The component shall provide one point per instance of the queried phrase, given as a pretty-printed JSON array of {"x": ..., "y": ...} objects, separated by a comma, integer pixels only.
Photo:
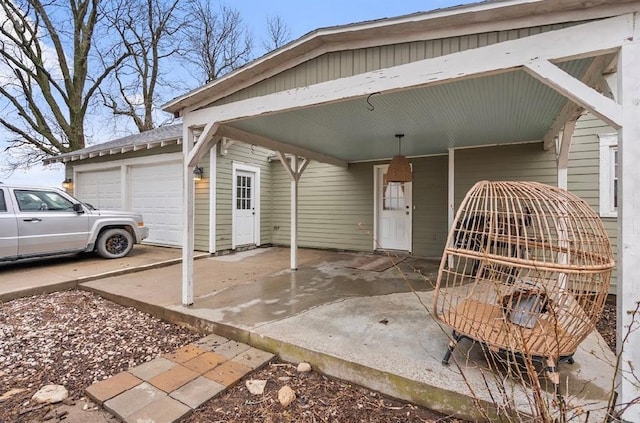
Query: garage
[
  {"x": 153, "y": 187},
  {"x": 100, "y": 188},
  {"x": 156, "y": 192}
]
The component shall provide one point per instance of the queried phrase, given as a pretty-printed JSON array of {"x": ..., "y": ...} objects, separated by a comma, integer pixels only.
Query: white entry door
[
  {"x": 244, "y": 208},
  {"x": 394, "y": 211}
]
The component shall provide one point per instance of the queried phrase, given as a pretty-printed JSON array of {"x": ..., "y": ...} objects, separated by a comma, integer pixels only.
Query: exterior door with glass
[
  {"x": 394, "y": 211},
  {"x": 244, "y": 208}
]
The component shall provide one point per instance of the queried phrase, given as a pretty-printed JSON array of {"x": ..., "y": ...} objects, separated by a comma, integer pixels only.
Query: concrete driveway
[{"x": 37, "y": 276}]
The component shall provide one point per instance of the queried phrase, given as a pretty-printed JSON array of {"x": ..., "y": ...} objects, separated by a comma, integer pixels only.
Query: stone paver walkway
[{"x": 170, "y": 387}]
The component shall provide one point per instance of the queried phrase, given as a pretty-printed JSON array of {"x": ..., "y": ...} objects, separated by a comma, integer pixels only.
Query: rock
[
  {"x": 51, "y": 394},
  {"x": 284, "y": 378},
  {"x": 304, "y": 368},
  {"x": 286, "y": 395},
  {"x": 256, "y": 387}
]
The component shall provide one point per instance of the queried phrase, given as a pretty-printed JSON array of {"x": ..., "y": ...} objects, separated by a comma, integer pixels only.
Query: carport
[{"x": 516, "y": 91}]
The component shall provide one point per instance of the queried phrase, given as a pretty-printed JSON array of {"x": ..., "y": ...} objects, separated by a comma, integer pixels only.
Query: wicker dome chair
[{"x": 526, "y": 270}]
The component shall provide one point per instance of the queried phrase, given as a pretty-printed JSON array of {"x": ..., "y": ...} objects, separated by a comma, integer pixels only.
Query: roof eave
[{"x": 316, "y": 42}]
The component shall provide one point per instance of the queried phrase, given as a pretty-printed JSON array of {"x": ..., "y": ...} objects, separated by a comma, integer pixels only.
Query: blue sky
[{"x": 301, "y": 17}]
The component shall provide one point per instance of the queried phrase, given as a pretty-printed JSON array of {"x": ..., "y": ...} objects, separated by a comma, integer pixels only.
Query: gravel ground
[{"x": 75, "y": 338}]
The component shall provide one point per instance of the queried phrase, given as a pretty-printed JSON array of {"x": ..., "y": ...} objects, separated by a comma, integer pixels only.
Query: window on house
[{"x": 609, "y": 175}]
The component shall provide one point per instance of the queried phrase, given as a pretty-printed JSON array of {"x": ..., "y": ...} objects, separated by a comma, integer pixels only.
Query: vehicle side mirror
[{"x": 77, "y": 207}]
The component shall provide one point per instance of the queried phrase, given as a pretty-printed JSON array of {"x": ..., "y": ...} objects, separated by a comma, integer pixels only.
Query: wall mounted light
[
  {"x": 67, "y": 184},
  {"x": 197, "y": 173}
]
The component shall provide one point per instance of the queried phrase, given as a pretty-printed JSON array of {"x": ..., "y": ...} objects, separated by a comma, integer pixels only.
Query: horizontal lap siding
[
  {"x": 521, "y": 162},
  {"x": 202, "y": 206},
  {"x": 430, "y": 206},
  {"x": 352, "y": 62},
  {"x": 335, "y": 206},
  {"x": 584, "y": 172},
  {"x": 250, "y": 155}
]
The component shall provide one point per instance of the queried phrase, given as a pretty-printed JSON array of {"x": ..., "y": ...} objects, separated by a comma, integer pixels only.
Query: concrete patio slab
[{"x": 368, "y": 327}]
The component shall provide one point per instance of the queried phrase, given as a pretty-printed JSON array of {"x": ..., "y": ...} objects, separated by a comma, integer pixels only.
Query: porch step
[{"x": 168, "y": 388}]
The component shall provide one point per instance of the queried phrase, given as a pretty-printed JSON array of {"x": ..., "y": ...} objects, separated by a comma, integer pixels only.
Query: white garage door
[
  {"x": 156, "y": 192},
  {"x": 100, "y": 188}
]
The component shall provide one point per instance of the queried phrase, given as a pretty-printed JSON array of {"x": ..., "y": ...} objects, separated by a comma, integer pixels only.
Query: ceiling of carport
[{"x": 498, "y": 109}]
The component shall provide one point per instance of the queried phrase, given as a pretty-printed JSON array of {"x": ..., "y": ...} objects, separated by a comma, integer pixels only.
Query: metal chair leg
[{"x": 452, "y": 346}]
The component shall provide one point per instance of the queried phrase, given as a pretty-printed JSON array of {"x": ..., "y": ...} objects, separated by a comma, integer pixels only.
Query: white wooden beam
[
  {"x": 188, "y": 225},
  {"x": 628, "y": 287},
  {"x": 572, "y": 111},
  {"x": 575, "y": 90},
  {"x": 248, "y": 137},
  {"x": 564, "y": 143},
  {"x": 586, "y": 40},
  {"x": 208, "y": 136},
  {"x": 225, "y": 144}
]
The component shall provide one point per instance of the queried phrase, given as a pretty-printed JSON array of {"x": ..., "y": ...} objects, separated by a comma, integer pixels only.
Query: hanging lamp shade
[{"x": 399, "y": 169}]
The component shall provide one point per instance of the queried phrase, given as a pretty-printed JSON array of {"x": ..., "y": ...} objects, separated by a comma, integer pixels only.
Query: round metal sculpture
[{"x": 526, "y": 269}]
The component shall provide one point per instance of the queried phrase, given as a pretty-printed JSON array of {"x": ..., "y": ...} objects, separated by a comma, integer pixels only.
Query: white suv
[{"x": 37, "y": 222}]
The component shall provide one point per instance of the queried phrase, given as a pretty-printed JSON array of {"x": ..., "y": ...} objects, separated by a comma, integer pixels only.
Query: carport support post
[
  {"x": 294, "y": 173},
  {"x": 294, "y": 215},
  {"x": 188, "y": 240},
  {"x": 451, "y": 194},
  {"x": 562, "y": 153},
  {"x": 628, "y": 288}
]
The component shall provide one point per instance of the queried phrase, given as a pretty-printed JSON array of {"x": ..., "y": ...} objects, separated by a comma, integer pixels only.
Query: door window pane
[
  {"x": 392, "y": 195},
  {"x": 243, "y": 193}
]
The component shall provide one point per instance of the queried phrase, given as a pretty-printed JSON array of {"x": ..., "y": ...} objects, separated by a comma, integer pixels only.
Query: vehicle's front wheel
[{"x": 114, "y": 243}]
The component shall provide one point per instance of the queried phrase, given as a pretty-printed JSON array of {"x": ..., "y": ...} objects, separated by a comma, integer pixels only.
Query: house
[{"x": 541, "y": 90}]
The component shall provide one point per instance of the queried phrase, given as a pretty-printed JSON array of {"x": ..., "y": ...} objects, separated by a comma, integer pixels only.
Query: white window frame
[{"x": 608, "y": 146}]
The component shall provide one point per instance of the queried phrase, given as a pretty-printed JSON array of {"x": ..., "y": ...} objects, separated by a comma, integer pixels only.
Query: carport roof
[
  {"x": 508, "y": 92},
  {"x": 159, "y": 137}
]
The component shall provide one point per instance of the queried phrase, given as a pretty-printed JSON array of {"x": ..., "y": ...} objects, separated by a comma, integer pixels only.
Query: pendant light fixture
[{"x": 399, "y": 169}]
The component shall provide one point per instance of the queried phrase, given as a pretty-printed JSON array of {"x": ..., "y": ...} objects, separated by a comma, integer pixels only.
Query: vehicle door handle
[{"x": 32, "y": 219}]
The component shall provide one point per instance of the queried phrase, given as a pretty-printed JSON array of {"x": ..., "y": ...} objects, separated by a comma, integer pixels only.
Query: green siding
[
  {"x": 201, "y": 207},
  {"x": 250, "y": 155},
  {"x": 584, "y": 172},
  {"x": 430, "y": 206},
  {"x": 518, "y": 162},
  {"x": 345, "y": 63},
  {"x": 335, "y": 206}
]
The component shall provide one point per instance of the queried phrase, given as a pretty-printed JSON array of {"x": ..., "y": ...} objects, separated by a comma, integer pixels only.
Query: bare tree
[
  {"x": 148, "y": 30},
  {"x": 219, "y": 40},
  {"x": 47, "y": 79},
  {"x": 278, "y": 33}
]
